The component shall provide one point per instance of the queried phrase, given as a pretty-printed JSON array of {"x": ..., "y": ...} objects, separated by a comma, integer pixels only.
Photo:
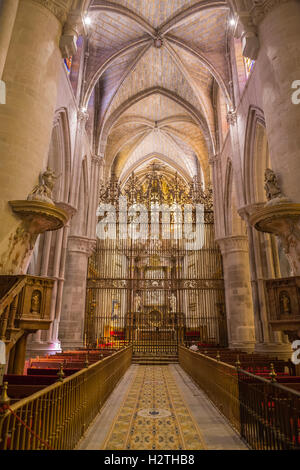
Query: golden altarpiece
[{"x": 153, "y": 292}]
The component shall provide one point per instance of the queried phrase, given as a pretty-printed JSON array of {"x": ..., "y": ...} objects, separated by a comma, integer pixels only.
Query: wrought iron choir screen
[{"x": 154, "y": 292}]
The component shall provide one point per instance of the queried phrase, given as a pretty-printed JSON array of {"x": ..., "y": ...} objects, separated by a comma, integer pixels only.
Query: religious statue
[
  {"x": 43, "y": 190},
  {"x": 272, "y": 187},
  {"x": 36, "y": 301},
  {"x": 173, "y": 302},
  {"x": 285, "y": 303},
  {"x": 137, "y": 302}
]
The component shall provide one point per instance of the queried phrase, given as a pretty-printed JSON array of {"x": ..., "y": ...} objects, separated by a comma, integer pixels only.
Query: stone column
[
  {"x": 71, "y": 326},
  {"x": 82, "y": 118},
  {"x": 239, "y": 305},
  {"x": 97, "y": 162},
  {"x": 31, "y": 74},
  {"x": 8, "y": 12},
  {"x": 215, "y": 164},
  {"x": 278, "y": 66}
]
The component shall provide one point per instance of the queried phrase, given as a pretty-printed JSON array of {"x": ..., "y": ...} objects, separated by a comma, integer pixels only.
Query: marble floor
[{"x": 159, "y": 407}]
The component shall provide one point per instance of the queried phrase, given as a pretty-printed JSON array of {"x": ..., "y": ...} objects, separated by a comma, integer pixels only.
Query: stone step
[{"x": 154, "y": 360}]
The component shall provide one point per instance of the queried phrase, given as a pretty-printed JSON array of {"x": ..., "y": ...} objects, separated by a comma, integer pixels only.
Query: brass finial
[
  {"x": 272, "y": 373},
  {"x": 60, "y": 373},
  {"x": 218, "y": 357},
  {"x": 86, "y": 362},
  {"x": 4, "y": 398},
  {"x": 238, "y": 363}
]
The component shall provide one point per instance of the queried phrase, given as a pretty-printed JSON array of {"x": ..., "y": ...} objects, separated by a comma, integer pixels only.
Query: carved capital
[
  {"x": 97, "y": 160},
  {"x": 233, "y": 244},
  {"x": 262, "y": 7},
  {"x": 232, "y": 117},
  {"x": 214, "y": 160},
  {"x": 59, "y": 8},
  {"x": 82, "y": 116},
  {"x": 81, "y": 245}
]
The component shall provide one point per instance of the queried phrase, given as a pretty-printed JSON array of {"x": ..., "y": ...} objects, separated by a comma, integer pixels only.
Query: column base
[
  {"x": 279, "y": 350},
  {"x": 42, "y": 348},
  {"x": 70, "y": 345}
]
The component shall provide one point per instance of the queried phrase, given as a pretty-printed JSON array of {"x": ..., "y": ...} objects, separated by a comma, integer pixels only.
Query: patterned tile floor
[{"x": 154, "y": 415}]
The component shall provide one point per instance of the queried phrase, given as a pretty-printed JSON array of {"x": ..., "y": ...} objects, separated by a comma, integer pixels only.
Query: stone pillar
[
  {"x": 31, "y": 74},
  {"x": 8, "y": 11},
  {"x": 97, "y": 162},
  {"x": 278, "y": 66},
  {"x": 82, "y": 118},
  {"x": 71, "y": 326},
  {"x": 215, "y": 163},
  {"x": 239, "y": 305}
]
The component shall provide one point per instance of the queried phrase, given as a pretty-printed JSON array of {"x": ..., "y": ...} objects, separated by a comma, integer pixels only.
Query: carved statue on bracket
[
  {"x": 272, "y": 188},
  {"x": 43, "y": 190}
]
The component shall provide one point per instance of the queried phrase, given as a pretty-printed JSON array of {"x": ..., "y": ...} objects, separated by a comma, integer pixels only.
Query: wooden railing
[
  {"x": 218, "y": 380},
  {"x": 57, "y": 416}
]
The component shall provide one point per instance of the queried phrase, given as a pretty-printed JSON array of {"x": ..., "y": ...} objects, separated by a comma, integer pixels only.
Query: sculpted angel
[{"x": 43, "y": 190}]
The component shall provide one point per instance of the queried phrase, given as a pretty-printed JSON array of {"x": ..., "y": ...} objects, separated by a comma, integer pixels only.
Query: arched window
[
  {"x": 249, "y": 64},
  {"x": 68, "y": 64}
]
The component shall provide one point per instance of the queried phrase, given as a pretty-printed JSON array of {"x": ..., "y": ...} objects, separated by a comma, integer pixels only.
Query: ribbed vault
[{"x": 155, "y": 65}]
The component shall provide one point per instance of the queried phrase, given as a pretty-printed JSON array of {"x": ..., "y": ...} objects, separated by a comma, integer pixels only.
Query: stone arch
[
  {"x": 80, "y": 220},
  {"x": 59, "y": 160},
  {"x": 234, "y": 224},
  {"x": 256, "y": 158},
  {"x": 157, "y": 156},
  {"x": 194, "y": 114}
]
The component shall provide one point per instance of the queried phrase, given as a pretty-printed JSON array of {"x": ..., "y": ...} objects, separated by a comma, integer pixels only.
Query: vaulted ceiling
[{"x": 154, "y": 64}]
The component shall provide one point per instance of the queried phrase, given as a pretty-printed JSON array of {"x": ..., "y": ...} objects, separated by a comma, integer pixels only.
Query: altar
[{"x": 156, "y": 334}]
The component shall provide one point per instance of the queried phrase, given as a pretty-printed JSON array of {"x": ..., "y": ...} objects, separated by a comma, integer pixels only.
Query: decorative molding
[
  {"x": 214, "y": 159},
  {"x": 232, "y": 117},
  {"x": 246, "y": 211},
  {"x": 236, "y": 243},
  {"x": 82, "y": 245},
  {"x": 59, "y": 8},
  {"x": 97, "y": 160},
  {"x": 283, "y": 220},
  {"x": 82, "y": 116}
]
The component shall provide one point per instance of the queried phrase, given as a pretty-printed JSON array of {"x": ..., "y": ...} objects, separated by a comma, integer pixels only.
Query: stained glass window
[
  {"x": 68, "y": 64},
  {"x": 249, "y": 63}
]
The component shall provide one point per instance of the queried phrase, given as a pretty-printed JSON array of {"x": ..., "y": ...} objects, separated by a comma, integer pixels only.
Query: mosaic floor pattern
[{"x": 154, "y": 415}]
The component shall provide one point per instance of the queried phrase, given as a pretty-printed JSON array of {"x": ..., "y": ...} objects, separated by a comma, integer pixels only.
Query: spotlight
[
  {"x": 232, "y": 21},
  {"x": 87, "y": 21}
]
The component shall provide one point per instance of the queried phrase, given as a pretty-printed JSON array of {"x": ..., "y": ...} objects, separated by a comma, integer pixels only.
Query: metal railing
[
  {"x": 270, "y": 413},
  {"x": 265, "y": 413},
  {"x": 218, "y": 380},
  {"x": 57, "y": 416}
]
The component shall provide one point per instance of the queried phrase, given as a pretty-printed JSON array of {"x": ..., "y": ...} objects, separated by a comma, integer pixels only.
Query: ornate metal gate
[{"x": 154, "y": 292}]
